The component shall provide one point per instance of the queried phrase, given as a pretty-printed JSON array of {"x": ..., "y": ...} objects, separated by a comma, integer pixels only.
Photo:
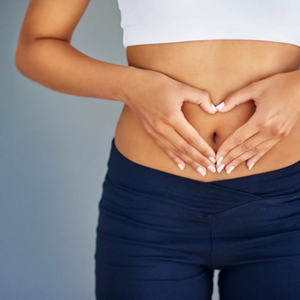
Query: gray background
[{"x": 53, "y": 154}]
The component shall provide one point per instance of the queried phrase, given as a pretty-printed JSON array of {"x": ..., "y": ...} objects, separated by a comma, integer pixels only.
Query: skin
[{"x": 168, "y": 91}]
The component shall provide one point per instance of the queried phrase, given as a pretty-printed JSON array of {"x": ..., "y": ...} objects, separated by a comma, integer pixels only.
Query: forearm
[{"x": 59, "y": 66}]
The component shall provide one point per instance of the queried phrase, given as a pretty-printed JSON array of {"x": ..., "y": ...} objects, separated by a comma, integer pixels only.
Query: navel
[{"x": 214, "y": 137}]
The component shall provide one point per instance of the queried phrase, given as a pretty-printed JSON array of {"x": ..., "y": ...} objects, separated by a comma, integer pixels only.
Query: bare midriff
[{"x": 219, "y": 67}]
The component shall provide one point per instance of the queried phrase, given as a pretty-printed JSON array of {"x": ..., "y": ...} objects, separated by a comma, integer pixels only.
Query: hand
[
  {"x": 277, "y": 100},
  {"x": 156, "y": 100}
]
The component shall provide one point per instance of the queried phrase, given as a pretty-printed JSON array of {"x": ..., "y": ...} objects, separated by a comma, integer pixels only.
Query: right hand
[{"x": 156, "y": 100}]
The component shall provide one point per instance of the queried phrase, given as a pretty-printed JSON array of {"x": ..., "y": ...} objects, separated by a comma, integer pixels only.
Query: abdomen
[{"x": 219, "y": 67}]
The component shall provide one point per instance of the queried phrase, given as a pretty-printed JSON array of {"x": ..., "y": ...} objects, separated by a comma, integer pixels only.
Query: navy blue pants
[{"x": 161, "y": 236}]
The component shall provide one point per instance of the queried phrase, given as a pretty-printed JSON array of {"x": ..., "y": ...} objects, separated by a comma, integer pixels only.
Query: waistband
[{"x": 282, "y": 183}]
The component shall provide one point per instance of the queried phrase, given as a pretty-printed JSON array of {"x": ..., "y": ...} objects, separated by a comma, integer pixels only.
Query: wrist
[
  {"x": 128, "y": 82},
  {"x": 133, "y": 83}
]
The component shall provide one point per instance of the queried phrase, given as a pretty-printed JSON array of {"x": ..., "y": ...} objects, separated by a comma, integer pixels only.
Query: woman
[{"x": 203, "y": 171}]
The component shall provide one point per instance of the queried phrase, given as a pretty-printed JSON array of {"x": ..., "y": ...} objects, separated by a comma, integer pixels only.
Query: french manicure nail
[
  {"x": 180, "y": 166},
  {"x": 219, "y": 161},
  {"x": 214, "y": 108},
  {"x": 212, "y": 159},
  {"x": 211, "y": 168},
  {"x": 220, "y": 106},
  {"x": 230, "y": 169},
  {"x": 201, "y": 170},
  {"x": 251, "y": 166},
  {"x": 220, "y": 168}
]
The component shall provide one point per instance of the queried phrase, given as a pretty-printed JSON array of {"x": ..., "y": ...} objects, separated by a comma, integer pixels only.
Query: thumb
[
  {"x": 202, "y": 98},
  {"x": 237, "y": 97}
]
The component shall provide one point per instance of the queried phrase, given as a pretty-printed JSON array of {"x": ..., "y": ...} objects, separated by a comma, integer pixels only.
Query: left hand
[{"x": 277, "y": 100}]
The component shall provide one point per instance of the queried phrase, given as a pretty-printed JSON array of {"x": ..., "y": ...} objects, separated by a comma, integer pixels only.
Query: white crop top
[{"x": 166, "y": 21}]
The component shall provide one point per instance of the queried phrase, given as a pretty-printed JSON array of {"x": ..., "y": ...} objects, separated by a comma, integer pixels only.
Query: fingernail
[
  {"x": 201, "y": 170},
  {"x": 230, "y": 169},
  {"x": 220, "y": 168},
  {"x": 220, "y": 106},
  {"x": 211, "y": 168},
  {"x": 180, "y": 166},
  {"x": 219, "y": 161},
  {"x": 251, "y": 166},
  {"x": 212, "y": 159},
  {"x": 214, "y": 108}
]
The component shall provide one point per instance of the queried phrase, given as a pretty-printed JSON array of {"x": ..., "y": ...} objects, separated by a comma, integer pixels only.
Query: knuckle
[
  {"x": 237, "y": 140},
  {"x": 156, "y": 127},
  {"x": 176, "y": 151},
  {"x": 246, "y": 147},
  {"x": 186, "y": 149},
  {"x": 168, "y": 117},
  {"x": 255, "y": 150},
  {"x": 279, "y": 131},
  {"x": 192, "y": 141}
]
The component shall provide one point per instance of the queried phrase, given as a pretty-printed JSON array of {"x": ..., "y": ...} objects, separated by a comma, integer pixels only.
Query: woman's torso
[{"x": 219, "y": 67}]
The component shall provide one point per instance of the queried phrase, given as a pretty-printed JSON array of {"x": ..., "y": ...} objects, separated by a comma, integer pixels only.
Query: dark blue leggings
[{"x": 161, "y": 236}]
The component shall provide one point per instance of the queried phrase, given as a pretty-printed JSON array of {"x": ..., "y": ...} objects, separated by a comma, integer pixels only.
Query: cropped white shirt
[{"x": 167, "y": 21}]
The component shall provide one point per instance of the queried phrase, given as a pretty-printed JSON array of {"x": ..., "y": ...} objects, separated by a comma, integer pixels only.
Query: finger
[
  {"x": 166, "y": 146},
  {"x": 174, "y": 142},
  {"x": 248, "y": 146},
  {"x": 202, "y": 98},
  {"x": 249, "y": 92},
  {"x": 243, "y": 133},
  {"x": 183, "y": 149},
  {"x": 187, "y": 153},
  {"x": 179, "y": 162},
  {"x": 254, "y": 159},
  {"x": 192, "y": 137},
  {"x": 254, "y": 154}
]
